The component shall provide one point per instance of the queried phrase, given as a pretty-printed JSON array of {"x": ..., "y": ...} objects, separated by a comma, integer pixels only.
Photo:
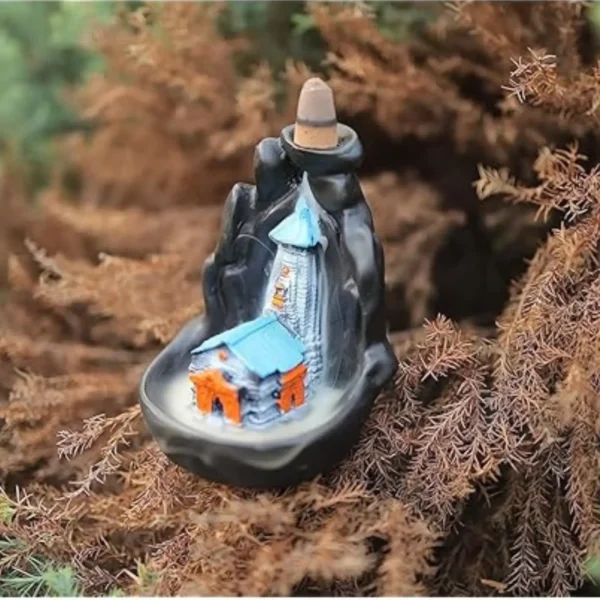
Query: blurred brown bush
[{"x": 477, "y": 472}]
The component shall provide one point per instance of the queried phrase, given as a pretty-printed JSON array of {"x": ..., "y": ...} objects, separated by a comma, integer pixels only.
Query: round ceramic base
[{"x": 282, "y": 455}]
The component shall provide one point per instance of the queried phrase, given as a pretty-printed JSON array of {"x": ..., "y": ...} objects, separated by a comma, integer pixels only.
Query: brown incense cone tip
[{"x": 316, "y": 121}]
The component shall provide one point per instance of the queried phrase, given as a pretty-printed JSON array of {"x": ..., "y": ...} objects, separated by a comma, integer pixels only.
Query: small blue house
[{"x": 250, "y": 374}]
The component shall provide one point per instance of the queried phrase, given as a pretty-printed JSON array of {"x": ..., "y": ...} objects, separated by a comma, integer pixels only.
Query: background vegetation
[{"x": 123, "y": 127}]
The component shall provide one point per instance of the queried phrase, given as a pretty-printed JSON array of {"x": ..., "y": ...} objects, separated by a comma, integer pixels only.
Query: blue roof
[
  {"x": 301, "y": 229},
  {"x": 264, "y": 345}
]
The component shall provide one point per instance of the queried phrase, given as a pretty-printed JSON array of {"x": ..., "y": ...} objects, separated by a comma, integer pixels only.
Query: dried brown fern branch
[
  {"x": 536, "y": 79},
  {"x": 476, "y": 470},
  {"x": 119, "y": 429},
  {"x": 39, "y": 407},
  {"x": 189, "y": 121},
  {"x": 452, "y": 79},
  {"x": 117, "y": 289},
  {"x": 545, "y": 375},
  {"x": 412, "y": 226}
]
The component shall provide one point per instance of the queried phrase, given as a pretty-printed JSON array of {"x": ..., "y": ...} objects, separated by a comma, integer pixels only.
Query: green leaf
[
  {"x": 400, "y": 21},
  {"x": 73, "y": 18},
  {"x": 591, "y": 568},
  {"x": 41, "y": 55},
  {"x": 594, "y": 15},
  {"x": 303, "y": 23},
  {"x": 117, "y": 593},
  {"x": 7, "y": 511},
  {"x": 38, "y": 577},
  {"x": 61, "y": 582},
  {"x": 146, "y": 576}
]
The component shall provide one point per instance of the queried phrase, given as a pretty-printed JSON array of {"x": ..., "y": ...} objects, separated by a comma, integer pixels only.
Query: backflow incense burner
[{"x": 273, "y": 383}]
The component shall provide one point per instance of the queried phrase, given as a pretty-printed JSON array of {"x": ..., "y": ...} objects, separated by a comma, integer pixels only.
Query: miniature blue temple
[
  {"x": 259, "y": 370},
  {"x": 264, "y": 346}
]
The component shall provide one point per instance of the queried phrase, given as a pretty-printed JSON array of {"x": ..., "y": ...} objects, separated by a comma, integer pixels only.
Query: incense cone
[{"x": 316, "y": 121}]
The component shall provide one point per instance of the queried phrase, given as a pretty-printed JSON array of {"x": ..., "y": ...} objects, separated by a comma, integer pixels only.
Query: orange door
[
  {"x": 292, "y": 388},
  {"x": 212, "y": 386}
]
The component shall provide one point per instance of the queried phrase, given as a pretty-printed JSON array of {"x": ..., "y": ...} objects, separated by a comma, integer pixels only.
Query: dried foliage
[
  {"x": 412, "y": 227},
  {"x": 448, "y": 83},
  {"x": 477, "y": 470},
  {"x": 176, "y": 124}
]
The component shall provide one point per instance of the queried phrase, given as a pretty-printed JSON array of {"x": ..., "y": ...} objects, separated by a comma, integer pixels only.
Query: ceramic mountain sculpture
[{"x": 273, "y": 383}]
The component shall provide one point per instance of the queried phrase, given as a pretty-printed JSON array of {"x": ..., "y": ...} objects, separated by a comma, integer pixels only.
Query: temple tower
[{"x": 293, "y": 291}]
